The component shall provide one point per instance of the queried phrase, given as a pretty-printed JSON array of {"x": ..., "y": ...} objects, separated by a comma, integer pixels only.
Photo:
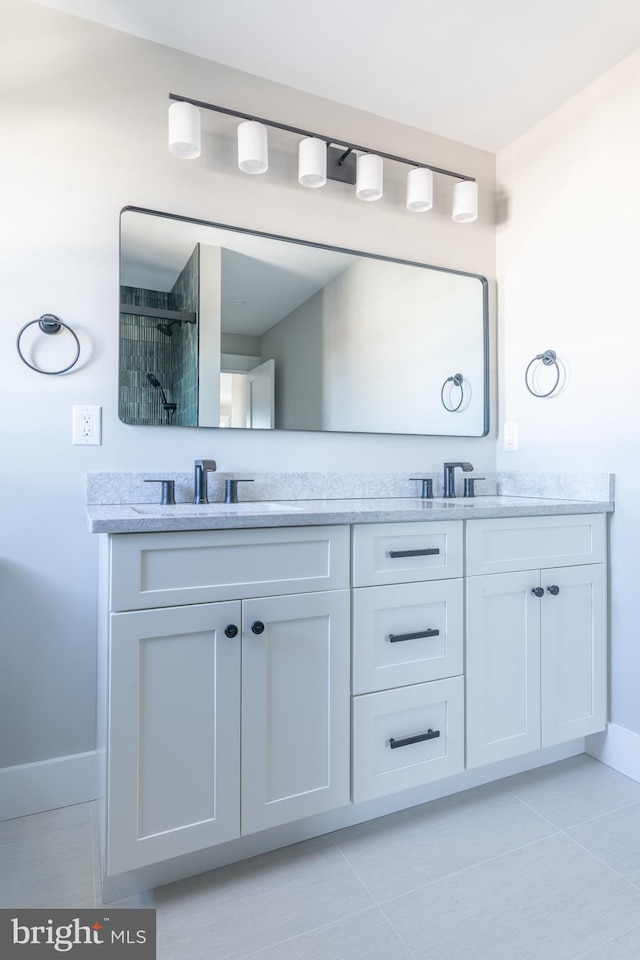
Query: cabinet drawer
[
  {"x": 529, "y": 543},
  {"x": 168, "y": 569},
  {"x": 406, "y": 634},
  {"x": 404, "y": 552},
  {"x": 383, "y": 761}
]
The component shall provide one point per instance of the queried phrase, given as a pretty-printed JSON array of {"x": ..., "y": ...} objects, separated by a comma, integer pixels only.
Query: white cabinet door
[
  {"x": 295, "y": 704},
  {"x": 503, "y": 666},
  {"x": 174, "y": 733},
  {"x": 574, "y": 652},
  {"x": 536, "y": 666}
]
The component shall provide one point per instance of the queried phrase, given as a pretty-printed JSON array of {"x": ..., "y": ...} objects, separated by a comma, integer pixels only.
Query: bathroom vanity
[{"x": 271, "y": 675}]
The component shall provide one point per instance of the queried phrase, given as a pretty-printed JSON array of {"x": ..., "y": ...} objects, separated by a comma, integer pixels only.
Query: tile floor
[{"x": 542, "y": 865}]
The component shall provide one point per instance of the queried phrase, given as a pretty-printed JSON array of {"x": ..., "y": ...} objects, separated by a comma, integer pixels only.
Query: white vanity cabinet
[
  {"x": 536, "y": 633},
  {"x": 407, "y": 637},
  {"x": 256, "y": 677},
  {"x": 228, "y": 696}
]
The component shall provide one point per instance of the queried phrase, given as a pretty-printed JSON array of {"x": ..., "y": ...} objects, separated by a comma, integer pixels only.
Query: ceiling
[{"x": 478, "y": 71}]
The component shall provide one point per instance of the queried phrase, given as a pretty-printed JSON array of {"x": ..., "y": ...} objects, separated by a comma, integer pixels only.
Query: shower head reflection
[
  {"x": 169, "y": 408},
  {"x": 165, "y": 328}
]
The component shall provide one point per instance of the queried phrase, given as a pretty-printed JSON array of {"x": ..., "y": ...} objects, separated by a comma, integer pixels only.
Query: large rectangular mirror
[{"x": 222, "y": 327}]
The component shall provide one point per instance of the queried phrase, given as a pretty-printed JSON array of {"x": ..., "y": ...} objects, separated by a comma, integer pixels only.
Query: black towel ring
[
  {"x": 49, "y": 323},
  {"x": 457, "y": 380},
  {"x": 548, "y": 358}
]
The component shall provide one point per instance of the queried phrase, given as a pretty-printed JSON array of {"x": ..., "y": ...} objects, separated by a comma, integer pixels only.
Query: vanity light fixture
[
  {"x": 465, "y": 201},
  {"x": 320, "y": 158},
  {"x": 184, "y": 130},
  {"x": 419, "y": 189},
  {"x": 253, "y": 151},
  {"x": 312, "y": 162},
  {"x": 369, "y": 177}
]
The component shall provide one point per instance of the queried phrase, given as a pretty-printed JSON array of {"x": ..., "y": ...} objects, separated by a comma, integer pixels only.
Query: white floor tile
[
  {"x": 549, "y": 901},
  {"x": 44, "y": 825},
  {"x": 240, "y": 909},
  {"x": 615, "y": 838},
  {"x": 46, "y": 860},
  {"x": 572, "y": 791},
  {"x": 366, "y": 936},
  {"x": 625, "y": 947},
  {"x": 397, "y": 853}
]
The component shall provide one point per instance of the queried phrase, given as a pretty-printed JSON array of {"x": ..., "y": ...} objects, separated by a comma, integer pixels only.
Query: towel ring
[
  {"x": 549, "y": 358},
  {"x": 49, "y": 324},
  {"x": 457, "y": 380}
]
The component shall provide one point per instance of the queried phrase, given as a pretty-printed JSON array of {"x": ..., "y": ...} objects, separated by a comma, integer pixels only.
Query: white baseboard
[
  {"x": 619, "y": 748},
  {"x": 35, "y": 787}
]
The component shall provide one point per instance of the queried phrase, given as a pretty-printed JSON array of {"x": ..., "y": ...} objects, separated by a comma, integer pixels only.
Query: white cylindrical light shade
[
  {"x": 419, "y": 190},
  {"x": 253, "y": 155},
  {"x": 369, "y": 177},
  {"x": 184, "y": 130},
  {"x": 312, "y": 162},
  {"x": 465, "y": 201}
]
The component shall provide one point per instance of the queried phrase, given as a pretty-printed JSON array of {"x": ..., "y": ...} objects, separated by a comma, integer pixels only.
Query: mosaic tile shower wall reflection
[{"x": 163, "y": 347}]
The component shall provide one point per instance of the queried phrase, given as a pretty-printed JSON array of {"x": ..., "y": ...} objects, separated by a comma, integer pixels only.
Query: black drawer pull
[
  {"x": 416, "y": 738},
  {"x": 231, "y": 631},
  {"x": 554, "y": 590},
  {"x": 257, "y": 627},
  {"x": 396, "y": 637},
  {"x": 428, "y": 552},
  {"x": 537, "y": 591}
]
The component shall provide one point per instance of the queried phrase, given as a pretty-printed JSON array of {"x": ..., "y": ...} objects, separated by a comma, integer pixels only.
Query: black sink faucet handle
[
  {"x": 470, "y": 486},
  {"x": 427, "y": 487},
  {"x": 168, "y": 490},
  {"x": 231, "y": 490}
]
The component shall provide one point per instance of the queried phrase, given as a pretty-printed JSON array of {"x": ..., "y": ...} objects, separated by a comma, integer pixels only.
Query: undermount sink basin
[
  {"x": 178, "y": 510},
  {"x": 453, "y": 501},
  {"x": 478, "y": 501}
]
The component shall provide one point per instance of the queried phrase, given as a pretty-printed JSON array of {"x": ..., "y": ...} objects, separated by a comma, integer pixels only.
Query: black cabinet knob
[
  {"x": 537, "y": 592},
  {"x": 257, "y": 627},
  {"x": 231, "y": 631},
  {"x": 554, "y": 590}
]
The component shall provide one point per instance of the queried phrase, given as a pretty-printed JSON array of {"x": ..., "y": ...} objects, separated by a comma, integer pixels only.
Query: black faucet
[
  {"x": 449, "y": 476},
  {"x": 202, "y": 468}
]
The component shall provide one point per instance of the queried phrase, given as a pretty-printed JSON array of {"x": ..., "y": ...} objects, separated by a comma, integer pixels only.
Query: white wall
[
  {"x": 569, "y": 280},
  {"x": 295, "y": 343},
  {"x": 438, "y": 322},
  {"x": 83, "y": 133}
]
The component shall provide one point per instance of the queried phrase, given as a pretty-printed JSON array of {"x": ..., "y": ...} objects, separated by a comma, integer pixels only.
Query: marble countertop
[{"x": 153, "y": 518}]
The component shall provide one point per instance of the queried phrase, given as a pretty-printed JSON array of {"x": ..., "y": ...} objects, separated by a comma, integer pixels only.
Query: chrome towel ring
[
  {"x": 548, "y": 358},
  {"x": 50, "y": 324},
  {"x": 456, "y": 380}
]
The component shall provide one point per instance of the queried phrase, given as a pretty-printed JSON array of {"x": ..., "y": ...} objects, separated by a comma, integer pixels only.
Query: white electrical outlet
[
  {"x": 86, "y": 425},
  {"x": 510, "y": 434}
]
